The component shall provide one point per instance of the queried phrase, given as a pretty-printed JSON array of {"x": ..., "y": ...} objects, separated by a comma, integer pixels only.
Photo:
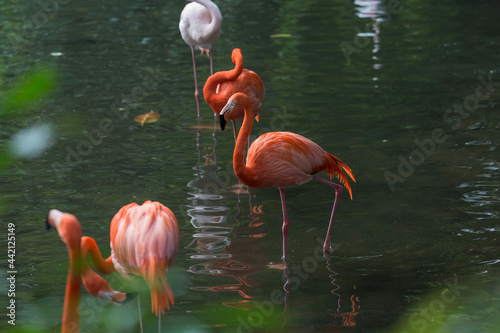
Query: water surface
[{"x": 389, "y": 89}]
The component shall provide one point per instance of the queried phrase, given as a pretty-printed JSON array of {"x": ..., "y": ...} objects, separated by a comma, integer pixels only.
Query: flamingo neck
[
  {"x": 218, "y": 100},
  {"x": 240, "y": 168},
  {"x": 215, "y": 13},
  {"x": 89, "y": 246},
  {"x": 71, "y": 314}
]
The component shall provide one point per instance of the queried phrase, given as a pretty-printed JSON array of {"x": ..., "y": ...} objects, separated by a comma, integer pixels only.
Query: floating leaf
[
  {"x": 147, "y": 118},
  {"x": 281, "y": 36}
]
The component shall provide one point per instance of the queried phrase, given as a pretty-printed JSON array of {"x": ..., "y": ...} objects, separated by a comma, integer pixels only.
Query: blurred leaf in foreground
[{"x": 28, "y": 90}]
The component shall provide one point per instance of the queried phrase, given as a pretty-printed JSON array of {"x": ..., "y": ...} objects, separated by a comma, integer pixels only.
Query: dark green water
[{"x": 391, "y": 89}]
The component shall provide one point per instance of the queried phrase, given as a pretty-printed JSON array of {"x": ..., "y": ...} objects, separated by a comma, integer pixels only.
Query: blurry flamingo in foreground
[
  {"x": 70, "y": 231},
  {"x": 200, "y": 28},
  {"x": 222, "y": 85},
  {"x": 279, "y": 159},
  {"x": 144, "y": 241}
]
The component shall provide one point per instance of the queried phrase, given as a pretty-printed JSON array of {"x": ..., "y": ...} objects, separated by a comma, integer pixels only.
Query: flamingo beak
[
  {"x": 222, "y": 121},
  {"x": 47, "y": 225},
  {"x": 222, "y": 115}
]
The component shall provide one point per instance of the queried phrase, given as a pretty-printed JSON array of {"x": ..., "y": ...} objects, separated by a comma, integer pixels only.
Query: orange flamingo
[
  {"x": 144, "y": 241},
  {"x": 279, "y": 159},
  {"x": 200, "y": 28},
  {"x": 70, "y": 231},
  {"x": 222, "y": 85}
]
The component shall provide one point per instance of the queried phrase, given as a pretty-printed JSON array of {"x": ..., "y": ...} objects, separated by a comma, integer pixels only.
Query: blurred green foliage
[
  {"x": 23, "y": 96},
  {"x": 28, "y": 91}
]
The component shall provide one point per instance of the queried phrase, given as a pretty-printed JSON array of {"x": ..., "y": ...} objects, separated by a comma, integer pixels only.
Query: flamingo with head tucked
[
  {"x": 222, "y": 85},
  {"x": 144, "y": 242},
  {"x": 199, "y": 25},
  {"x": 279, "y": 159}
]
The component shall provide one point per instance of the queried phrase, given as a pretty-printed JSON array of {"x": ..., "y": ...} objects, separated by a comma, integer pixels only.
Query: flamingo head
[
  {"x": 236, "y": 55},
  {"x": 237, "y": 103},
  {"x": 225, "y": 114},
  {"x": 67, "y": 226}
]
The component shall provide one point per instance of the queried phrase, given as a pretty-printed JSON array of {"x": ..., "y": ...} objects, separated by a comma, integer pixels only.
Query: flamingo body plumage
[
  {"x": 144, "y": 241},
  {"x": 220, "y": 86},
  {"x": 280, "y": 159},
  {"x": 290, "y": 159},
  {"x": 200, "y": 24}
]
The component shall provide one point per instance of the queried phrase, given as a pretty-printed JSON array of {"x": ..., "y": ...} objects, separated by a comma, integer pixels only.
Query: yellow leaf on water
[
  {"x": 281, "y": 36},
  {"x": 147, "y": 118}
]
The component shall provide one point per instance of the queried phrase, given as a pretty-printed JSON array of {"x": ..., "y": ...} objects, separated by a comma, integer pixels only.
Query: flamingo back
[
  {"x": 248, "y": 82},
  {"x": 144, "y": 241},
  {"x": 200, "y": 24},
  {"x": 282, "y": 158}
]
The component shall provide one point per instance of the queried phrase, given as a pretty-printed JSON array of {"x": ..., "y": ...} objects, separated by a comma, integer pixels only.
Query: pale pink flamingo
[
  {"x": 200, "y": 28},
  {"x": 279, "y": 159}
]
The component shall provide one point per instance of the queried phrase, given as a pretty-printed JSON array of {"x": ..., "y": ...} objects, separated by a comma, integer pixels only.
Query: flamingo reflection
[
  {"x": 219, "y": 247},
  {"x": 343, "y": 318},
  {"x": 347, "y": 309}
]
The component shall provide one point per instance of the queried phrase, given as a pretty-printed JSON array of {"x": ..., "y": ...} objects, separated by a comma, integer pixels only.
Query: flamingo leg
[
  {"x": 214, "y": 136},
  {"x": 285, "y": 220},
  {"x": 210, "y": 53},
  {"x": 196, "y": 90},
  {"x": 338, "y": 191},
  {"x": 215, "y": 122},
  {"x": 159, "y": 320},
  {"x": 234, "y": 131},
  {"x": 140, "y": 314}
]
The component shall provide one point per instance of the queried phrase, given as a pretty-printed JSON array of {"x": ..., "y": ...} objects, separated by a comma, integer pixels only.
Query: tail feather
[
  {"x": 161, "y": 296},
  {"x": 337, "y": 168}
]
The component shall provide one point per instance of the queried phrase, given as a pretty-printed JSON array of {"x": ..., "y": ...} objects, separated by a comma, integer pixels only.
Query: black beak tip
[
  {"x": 47, "y": 225},
  {"x": 222, "y": 122}
]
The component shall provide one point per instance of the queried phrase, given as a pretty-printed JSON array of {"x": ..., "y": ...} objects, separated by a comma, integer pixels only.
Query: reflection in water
[
  {"x": 375, "y": 10},
  {"x": 481, "y": 195},
  {"x": 347, "y": 310},
  {"x": 343, "y": 319},
  {"x": 208, "y": 214},
  {"x": 222, "y": 251}
]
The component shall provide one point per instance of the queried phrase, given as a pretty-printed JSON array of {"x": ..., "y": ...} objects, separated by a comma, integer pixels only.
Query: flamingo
[
  {"x": 144, "y": 242},
  {"x": 200, "y": 28},
  {"x": 70, "y": 231},
  {"x": 279, "y": 159},
  {"x": 222, "y": 85}
]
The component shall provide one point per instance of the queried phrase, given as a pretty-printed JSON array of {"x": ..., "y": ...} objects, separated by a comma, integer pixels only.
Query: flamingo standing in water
[
  {"x": 70, "y": 231},
  {"x": 144, "y": 241},
  {"x": 200, "y": 28},
  {"x": 222, "y": 85},
  {"x": 279, "y": 159}
]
